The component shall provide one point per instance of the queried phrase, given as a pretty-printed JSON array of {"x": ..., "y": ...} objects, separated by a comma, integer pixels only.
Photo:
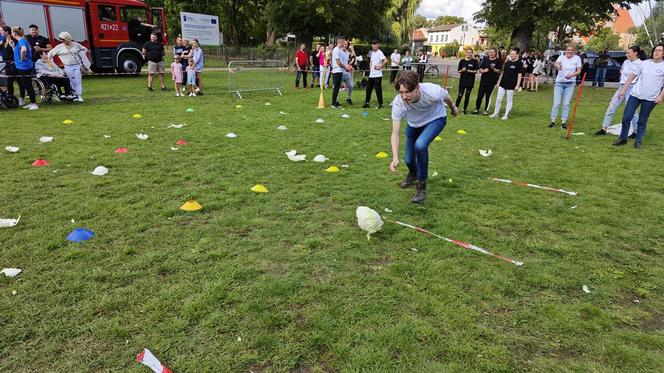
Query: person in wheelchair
[{"x": 54, "y": 78}]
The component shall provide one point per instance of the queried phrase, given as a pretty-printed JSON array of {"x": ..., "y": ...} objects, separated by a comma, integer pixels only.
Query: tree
[
  {"x": 603, "y": 39},
  {"x": 448, "y": 20},
  {"x": 402, "y": 16},
  {"x": 237, "y": 18},
  {"x": 521, "y": 17},
  {"x": 642, "y": 37},
  {"x": 309, "y": 18},
  {"x": 419, "y": 22}
]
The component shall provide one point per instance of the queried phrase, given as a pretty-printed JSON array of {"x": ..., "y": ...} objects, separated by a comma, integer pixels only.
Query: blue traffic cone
[{"x": 80, "y": 234}]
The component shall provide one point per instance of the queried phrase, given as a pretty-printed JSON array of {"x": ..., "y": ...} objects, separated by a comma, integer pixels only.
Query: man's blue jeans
[
  {"x": 644, "y": 112},
  {"x": 418, "y": 139},
  {"x": 600, "y": 76}
]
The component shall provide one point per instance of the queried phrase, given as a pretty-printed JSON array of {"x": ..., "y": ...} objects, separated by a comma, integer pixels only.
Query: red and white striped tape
[{"x": 148, "y": 359}]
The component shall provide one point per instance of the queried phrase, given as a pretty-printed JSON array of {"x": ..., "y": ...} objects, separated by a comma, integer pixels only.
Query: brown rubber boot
[
  {"x": 420, "y": 192},
  {"x": 410, "y": 180}
]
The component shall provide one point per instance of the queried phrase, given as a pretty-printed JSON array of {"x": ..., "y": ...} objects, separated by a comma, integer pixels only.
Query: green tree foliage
[
  {"x": 420, "y": 21},
  {"x": 448, "y": 20},
  {"x": 642, "y": 39},
  {"x": 401, "y": 13},
  {"x": 309, "y": 18},
  {"x": 521, "y": 17},
  {"x": 603, "y": 39},
  {"x": 239, "y": 19}
]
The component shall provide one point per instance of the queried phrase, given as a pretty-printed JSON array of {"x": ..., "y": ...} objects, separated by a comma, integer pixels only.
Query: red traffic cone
[
  {"x": 121, "y": 150},
  {"x": 40, "y": 163},
  {"x": 181, "y": 142}
]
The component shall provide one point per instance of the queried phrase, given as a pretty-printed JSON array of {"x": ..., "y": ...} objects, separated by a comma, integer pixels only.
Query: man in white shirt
[
  {"x": 423, "y": 107},
  {"x": 340, "y": 66},
  {"x": 395, "y": 59},
  {"x": 376, "y": 64}
]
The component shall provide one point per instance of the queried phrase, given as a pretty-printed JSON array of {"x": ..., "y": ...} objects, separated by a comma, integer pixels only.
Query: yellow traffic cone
[
  {"x": 332, "y": 169},
  {"x": 191, "y": 205},
  {"x": 259, "y": 188},
  {"x": 321, "y": 99},
  {"x": 381, "y": 155}
]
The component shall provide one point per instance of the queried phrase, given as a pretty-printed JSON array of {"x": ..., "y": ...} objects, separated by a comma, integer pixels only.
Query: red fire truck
[{"x": 113, "y": 30}]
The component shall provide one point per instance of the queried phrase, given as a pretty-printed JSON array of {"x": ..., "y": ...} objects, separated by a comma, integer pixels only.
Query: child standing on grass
[
  {"x": 191, "y": 78},
  {"x": 176, "y": 72}
]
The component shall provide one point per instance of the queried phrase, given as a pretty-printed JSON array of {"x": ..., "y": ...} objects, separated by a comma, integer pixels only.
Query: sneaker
[
  {"x": 620, "y": 142},
  {"x": 476, "y": 111},
  {"x": 21, "y": 102},
  {"x": 336, "y": 105},
  {"x": 164, "y": 89},
  {"x": 552, "y": 124},
  {"x": 505, "y": 117},
  {"x": 365, "y": 106},
  {"x": 26, "y": 106},
  {"x": 35, "y": 107},
  {"x": 70, "y": 97},
  {"x": 78, "y": 99},
  {"x": 349, "y": 101},
  {"x": 494, "y": 115},
  {"x": 563, "y": 126},
  {"x": 486, "y": 112},
  {"x": 379, "y": 107},
  {"x": 197, "y": 91},
  {"x": 177, "y": 94},
  {"x": 150, "y": 89},
  {"x": 600, "y": 132},
  {"x": 637, "y": 145},
  {"x": 632, "y": 136}
]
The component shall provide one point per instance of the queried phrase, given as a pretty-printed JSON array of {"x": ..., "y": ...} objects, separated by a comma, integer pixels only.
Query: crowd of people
[
  {"x": 422, "y": 105},
  {"x": 24, "y": 56}
]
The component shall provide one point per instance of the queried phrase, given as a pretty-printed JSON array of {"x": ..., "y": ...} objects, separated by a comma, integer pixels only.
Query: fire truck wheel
[{"x": 129, "y": 64}]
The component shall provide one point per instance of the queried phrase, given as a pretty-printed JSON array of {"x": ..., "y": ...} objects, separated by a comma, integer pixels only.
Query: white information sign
[{"x": 203, "y": 27}]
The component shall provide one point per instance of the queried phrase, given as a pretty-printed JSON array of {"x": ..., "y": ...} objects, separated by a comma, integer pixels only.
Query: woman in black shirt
[
  {"x": 490, "y": 70},
  {"x": 467, "y": 69},
  {"x": 509, "y": 80},
  {"x": 7, "y": 49}
]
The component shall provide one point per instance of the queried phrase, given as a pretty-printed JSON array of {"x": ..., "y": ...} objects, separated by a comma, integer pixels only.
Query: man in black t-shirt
[
  {"x": 315, "y": 66},
  {"x": 154, "y": 52},
  {"x": 490, "y": 69},
  {"x": 37, "y": 42}
]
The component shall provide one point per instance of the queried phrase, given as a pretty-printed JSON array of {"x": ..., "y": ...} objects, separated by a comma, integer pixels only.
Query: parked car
[{"x": 612, "y": 72}]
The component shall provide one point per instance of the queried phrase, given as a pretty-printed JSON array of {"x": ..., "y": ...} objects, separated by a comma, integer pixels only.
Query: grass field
[{"x": 286, "y": 281}]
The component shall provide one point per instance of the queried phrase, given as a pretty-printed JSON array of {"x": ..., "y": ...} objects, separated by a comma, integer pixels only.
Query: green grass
[{"x": 286, "y": 281}]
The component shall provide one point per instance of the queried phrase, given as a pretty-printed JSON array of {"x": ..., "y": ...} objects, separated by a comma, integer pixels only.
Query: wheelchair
[
  {"x": 47, "y": 93},
  {"x": 6, "y": 99}
]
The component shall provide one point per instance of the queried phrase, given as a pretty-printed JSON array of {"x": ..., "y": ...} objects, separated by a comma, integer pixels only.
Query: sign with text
[{"x": 203, "y": 27}]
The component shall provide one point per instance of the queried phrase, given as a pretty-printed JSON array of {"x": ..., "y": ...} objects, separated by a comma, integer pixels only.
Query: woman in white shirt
[
  {"x": 646, "y": 93},
  {"x": 631, "y": 64},
  {"x": 69, "y": 52},
  {"x": 422, "y": 104},
  {"x": 568, "y": 66}
]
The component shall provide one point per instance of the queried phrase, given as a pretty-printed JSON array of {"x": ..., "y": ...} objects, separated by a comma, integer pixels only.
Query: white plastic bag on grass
[{"x": 369, "y": 220}]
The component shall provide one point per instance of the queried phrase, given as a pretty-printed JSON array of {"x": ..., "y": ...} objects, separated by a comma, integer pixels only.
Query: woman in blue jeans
[
  {"x": 647, "y": 93},
  {"x": 569, "y": 66},
  {"x": 634, "y": 57},
  {"x": 422, "y": 104}
]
